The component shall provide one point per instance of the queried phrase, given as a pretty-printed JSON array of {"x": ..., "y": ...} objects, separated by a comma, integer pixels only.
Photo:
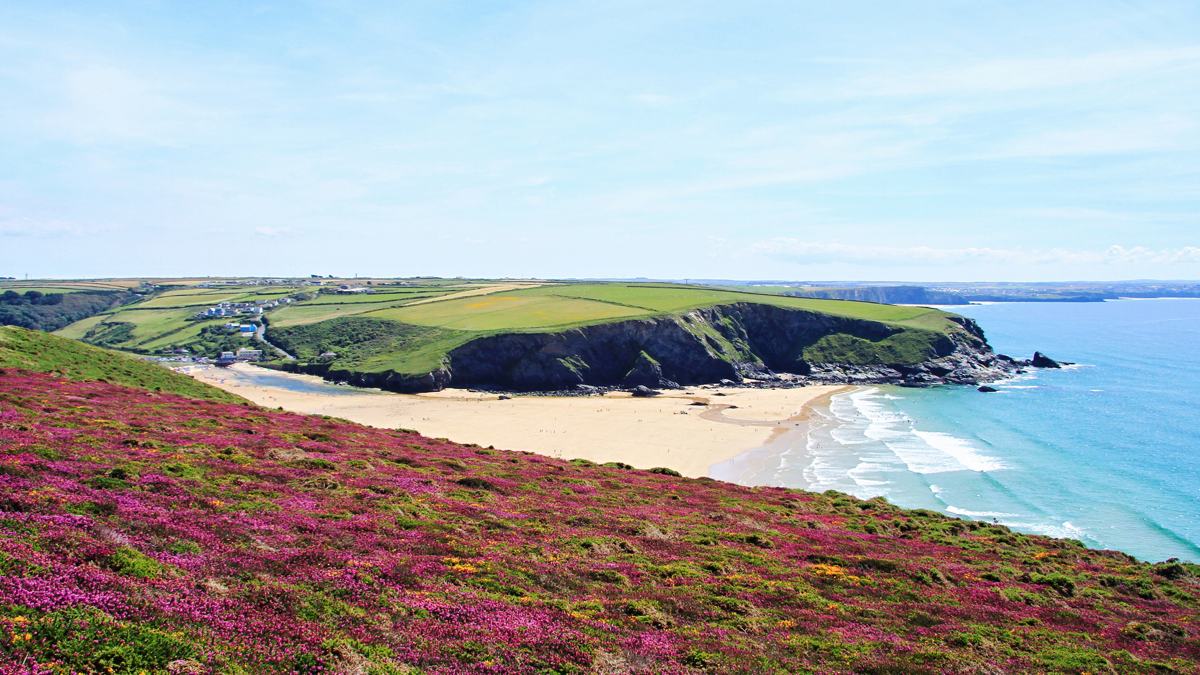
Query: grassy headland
[
  {"x": 406, "y": 332},
  {"x": 45, "y": 353}
]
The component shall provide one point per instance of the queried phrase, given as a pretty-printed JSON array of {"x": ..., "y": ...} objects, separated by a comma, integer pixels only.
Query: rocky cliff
[{"x": 728, "y": 342}]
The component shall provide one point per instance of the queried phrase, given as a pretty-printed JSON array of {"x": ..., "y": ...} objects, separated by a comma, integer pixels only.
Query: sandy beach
[{"x": 688, "y": 430}]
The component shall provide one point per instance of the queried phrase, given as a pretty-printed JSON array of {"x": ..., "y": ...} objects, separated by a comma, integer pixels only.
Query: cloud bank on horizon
[{"x": 933, "y": 140}]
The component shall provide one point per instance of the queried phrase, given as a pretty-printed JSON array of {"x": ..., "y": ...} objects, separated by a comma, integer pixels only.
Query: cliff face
[{"x": 728, "y": 342}]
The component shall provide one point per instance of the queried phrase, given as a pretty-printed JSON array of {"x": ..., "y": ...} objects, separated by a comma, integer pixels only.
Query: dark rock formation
[
  {"x": 987, "y": 390},
  {"x": 389, "y": 380},
  {"x": 645, "y": 371},
  {"x": 642, "y": 391},
  {"x": 1040, "y": 360},
  {"x": 726, "y": 344}
]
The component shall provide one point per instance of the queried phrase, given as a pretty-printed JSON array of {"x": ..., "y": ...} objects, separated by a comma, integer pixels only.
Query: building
[{"x": 245, "y": 354}]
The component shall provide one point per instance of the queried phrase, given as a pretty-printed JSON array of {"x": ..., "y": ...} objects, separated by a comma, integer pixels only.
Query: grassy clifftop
[
  {"x": 38, "y": 351},
  {"x": 435, "y": 317},
  {"x": 415, "y": 338},
  {"x": 159, "y": 533}
]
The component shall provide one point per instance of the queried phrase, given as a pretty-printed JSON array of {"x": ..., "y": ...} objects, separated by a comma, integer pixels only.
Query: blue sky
[{"x": 954, "y": 140}]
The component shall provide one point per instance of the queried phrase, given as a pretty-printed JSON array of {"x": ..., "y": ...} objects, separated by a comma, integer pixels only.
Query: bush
[
  {"x": 133, "y": 563},
  {"x": 1062, "y": 583},
  {"x": 608, "y": 577}
]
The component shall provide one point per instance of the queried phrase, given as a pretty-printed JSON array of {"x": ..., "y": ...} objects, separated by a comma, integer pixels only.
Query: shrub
[
  {"x": 133, "y": 563},
  {"x": 608, "y": 577}
]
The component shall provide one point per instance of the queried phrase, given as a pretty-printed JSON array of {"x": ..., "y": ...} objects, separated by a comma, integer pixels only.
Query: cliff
[{"x": 725, "y": 342}]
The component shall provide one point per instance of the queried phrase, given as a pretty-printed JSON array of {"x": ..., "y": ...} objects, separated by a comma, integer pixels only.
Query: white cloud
[{"x": 797, "y": 250}]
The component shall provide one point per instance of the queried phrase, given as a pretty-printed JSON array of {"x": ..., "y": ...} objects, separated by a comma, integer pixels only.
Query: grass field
[
  {"x": 42, "y": 352},
  {"x": 66, "y": 286},
  {"x": 567, "y": 305},
  {"x": 508, "y": 311},
  {"x": 166, "y": 319}
]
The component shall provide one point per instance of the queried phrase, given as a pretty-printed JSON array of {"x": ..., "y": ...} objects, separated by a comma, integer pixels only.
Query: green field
[
  {"x": 568, "y": 305},
  {"x": 63, "y": 286},
  {"x": 42, "y": 352},
  {"x": 165, "y": 320}
]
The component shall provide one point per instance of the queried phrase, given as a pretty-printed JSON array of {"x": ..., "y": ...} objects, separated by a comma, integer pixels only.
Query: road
[{"x": 260, "y": 334}]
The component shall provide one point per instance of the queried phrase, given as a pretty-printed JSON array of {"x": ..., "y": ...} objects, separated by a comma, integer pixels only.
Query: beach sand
[{"x": 666, "y": 430}]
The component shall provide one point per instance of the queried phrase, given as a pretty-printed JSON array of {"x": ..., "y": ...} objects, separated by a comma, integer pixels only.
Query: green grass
[
  {"x": 377, "y": 297},
  {"x": 371, "y": 345},
  {"x": 568, "y": 305},
  {"x": 77, "y": 330},
  {"x": 58, "y": 286},
  {"x": 513, "y": 310},
  {"x": 42, "y": 352},
  {"x": 153, "y": 325},
  {"x": 42, "y": 289},
  {"x": 305, "y": 313}
]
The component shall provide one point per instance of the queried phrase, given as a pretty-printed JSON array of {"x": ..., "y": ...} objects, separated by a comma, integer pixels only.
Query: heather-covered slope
[
  {"x": 42, "y": 352},
  {"x": 150, "y": 532}
]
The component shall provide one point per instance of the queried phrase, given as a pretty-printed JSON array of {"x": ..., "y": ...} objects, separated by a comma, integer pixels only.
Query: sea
[{"x": 1106, "y": 451}]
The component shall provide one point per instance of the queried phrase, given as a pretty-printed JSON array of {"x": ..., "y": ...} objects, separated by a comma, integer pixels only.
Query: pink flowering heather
[{"x": 151, "y": 532}]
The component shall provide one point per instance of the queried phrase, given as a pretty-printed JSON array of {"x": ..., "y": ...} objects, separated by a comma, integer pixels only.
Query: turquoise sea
[{"x": 1107, "y": 451}]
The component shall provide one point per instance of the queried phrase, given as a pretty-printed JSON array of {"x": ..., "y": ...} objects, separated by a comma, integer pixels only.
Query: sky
[{"x": 954, "y": 140}]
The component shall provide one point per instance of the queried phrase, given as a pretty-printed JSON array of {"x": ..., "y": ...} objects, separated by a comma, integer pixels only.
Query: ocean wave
[
  {"x": 980, "y": 514},
  {"x": 923, "y": 452},
  {"x": 962, "y": 450},
  {"x": 1065, "y": 530}
]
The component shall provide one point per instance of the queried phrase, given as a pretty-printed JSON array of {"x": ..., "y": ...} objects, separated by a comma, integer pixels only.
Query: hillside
[
  {"x": 41, "y": 352},
  {"x": 52, "y": 308},
  {"x": 557, "y": 336},
  {"x": 143, "y": 532},
  {"x": 421, "y": 336}
]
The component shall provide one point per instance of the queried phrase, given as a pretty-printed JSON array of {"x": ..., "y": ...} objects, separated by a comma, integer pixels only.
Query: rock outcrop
[
  {"x": 734, "y": 343},
  {"x": 744, "y": 343},
  {"x": 1040, "y": 360}
]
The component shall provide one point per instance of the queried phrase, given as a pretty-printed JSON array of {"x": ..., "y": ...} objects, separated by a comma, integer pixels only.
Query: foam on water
[
  {"x": 962, "y": 450},
  {"x": 979, "y": 514},
  {"x": 923, "y": 452}
]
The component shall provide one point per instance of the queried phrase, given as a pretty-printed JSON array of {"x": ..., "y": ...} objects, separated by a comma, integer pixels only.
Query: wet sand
[{"x": 688, "y": 430}]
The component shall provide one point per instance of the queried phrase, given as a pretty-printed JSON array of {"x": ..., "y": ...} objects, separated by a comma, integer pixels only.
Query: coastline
[
  {"x": 690, "y": 430},
  {"x": 785, "y": 444}
]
